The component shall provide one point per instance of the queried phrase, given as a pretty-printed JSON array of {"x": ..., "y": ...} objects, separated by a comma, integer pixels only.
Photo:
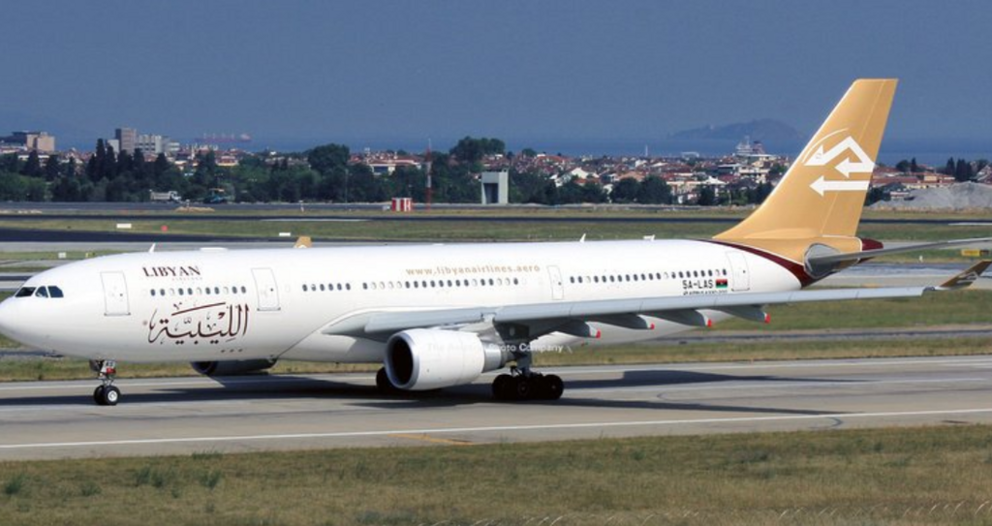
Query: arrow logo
[
  {"x": 864, "y": 164},
  {"x": 821, "y": 185}
]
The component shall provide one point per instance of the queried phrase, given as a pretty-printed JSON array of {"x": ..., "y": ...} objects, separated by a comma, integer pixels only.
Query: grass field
[
  {"x": 502, "y": 228},
  {"x": 907, "y": 476}
]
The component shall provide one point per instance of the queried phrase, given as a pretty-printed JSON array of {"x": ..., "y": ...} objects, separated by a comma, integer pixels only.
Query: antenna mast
[{"x": 430, "y": 168}]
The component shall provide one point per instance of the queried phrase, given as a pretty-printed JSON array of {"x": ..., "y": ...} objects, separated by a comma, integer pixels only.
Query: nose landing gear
[{"x": 105, "y": 393}]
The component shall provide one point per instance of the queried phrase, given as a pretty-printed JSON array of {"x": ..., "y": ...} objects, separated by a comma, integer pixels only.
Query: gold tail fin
[{"x": 821, "y": 196}]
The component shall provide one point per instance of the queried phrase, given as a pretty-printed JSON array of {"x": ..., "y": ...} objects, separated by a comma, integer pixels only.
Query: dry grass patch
[{"x": 907, "y": 476}]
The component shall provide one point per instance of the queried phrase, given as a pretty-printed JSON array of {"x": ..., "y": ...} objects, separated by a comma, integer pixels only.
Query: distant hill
[{"x": 764, "y": 130}]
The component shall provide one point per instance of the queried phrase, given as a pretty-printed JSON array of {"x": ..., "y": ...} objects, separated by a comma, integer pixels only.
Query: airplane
[{"x": 437, "y": 316}]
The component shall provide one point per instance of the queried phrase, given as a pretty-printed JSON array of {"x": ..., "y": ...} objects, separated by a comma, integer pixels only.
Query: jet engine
[
  {"x": 424, "y": 359},
  {"x": 232, "y": 367}
]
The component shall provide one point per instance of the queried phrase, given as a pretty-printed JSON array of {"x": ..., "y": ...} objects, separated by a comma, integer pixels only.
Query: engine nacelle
[
  {"x": 424, "y": 359},
  {"x": 232, "y": 367}
]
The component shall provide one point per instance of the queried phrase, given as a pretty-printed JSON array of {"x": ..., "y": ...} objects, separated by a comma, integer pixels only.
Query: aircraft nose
[{"x": 6, "y": 317}]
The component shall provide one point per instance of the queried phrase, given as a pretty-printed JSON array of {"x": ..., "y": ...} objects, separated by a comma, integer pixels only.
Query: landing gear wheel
[
  {"x": 98, "y": 395},
  {"x": 554, "y": 387},
  {"x": 111, "y": 395},
  {"x": 522, "y": 387},
  {"x": 528, "y": 387},
  {"x": 105, "y": 393},
  {"x": 501, "y": 387},
  {"x": 383, "y": 384}
]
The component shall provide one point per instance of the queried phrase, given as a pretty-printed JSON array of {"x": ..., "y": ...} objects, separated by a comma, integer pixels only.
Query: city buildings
[{"x": 38, "y": 141}]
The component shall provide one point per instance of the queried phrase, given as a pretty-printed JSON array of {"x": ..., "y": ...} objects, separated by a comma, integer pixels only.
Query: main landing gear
[
  {"x": 526, "y": 385},
  {"x": 105, "y": 393}
]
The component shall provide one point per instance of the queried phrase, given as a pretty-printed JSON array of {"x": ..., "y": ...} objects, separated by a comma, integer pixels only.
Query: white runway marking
[
  {"x": 776, "y": 385},
  {"x": 496, "y": 429}
]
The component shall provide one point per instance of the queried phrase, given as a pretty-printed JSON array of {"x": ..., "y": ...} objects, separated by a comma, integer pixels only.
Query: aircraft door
[
  {"x": 557, "y": 288},
  {"x": 740, "y": 279},
  {"x": 115, "y": 298},
  {"x": 268, "y": 293}
]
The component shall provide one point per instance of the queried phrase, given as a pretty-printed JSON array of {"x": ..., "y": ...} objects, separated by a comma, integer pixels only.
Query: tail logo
[{"x": 846, "y": 167}]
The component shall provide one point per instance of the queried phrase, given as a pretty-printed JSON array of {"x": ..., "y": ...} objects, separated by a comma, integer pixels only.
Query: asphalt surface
[{"x": 50, "y": 420}]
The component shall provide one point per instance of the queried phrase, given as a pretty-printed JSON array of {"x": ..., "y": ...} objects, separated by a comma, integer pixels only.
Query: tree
[
  {"x": 903, "y": 166},
  {"x": 32, "y": 168},
  {"x": 9, "y": 163},
  {"x": 707, "y": 197},
  {"x": 593, "y": 192},
  {"x": 625, "y": 190},
  {"x": 528, "y": 152},
  {"x": 329, "y": 157},
  {"x": 52, "y": 168},
  {"x": 654, "y": 191},
  {"x": 962, "y": 171},
  {"x": 876, "y": 194},
  {"x": 913, "y": 167},
  {"x": 472, "y": 150},
  {"x": 949, "y": 167}
]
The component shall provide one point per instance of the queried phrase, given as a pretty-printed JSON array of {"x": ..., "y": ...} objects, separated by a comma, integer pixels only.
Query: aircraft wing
[
  {"x": 569, "y": 315},
  {"x": 827, "y": 259},
  {"x": 573, "y": 317}
]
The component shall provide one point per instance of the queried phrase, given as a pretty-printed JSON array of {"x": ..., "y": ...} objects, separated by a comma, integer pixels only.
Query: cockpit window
[
  {"x": 24, "y": 292},
  {"x": 39, "y": 292}
]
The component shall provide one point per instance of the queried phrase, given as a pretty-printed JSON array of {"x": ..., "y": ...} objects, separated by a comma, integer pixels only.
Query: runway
[{"x": 50, "y": 420}]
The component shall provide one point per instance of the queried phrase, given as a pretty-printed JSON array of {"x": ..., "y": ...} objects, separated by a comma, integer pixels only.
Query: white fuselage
[{"x": 216, "y": 304}]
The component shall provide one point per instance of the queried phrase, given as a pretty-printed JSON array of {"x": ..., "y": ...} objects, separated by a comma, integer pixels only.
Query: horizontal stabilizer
[
  {"x": 967, "y": 278},
  {"x": 827, "y": 259}
]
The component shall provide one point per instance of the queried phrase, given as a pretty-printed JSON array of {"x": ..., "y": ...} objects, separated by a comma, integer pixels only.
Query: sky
[{"x": 356, "y": 72}]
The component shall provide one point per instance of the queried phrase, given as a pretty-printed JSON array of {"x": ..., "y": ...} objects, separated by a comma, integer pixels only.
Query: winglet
[
  {"x": 966, "y": 278},
  {"x": 303, "y": 242}
]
